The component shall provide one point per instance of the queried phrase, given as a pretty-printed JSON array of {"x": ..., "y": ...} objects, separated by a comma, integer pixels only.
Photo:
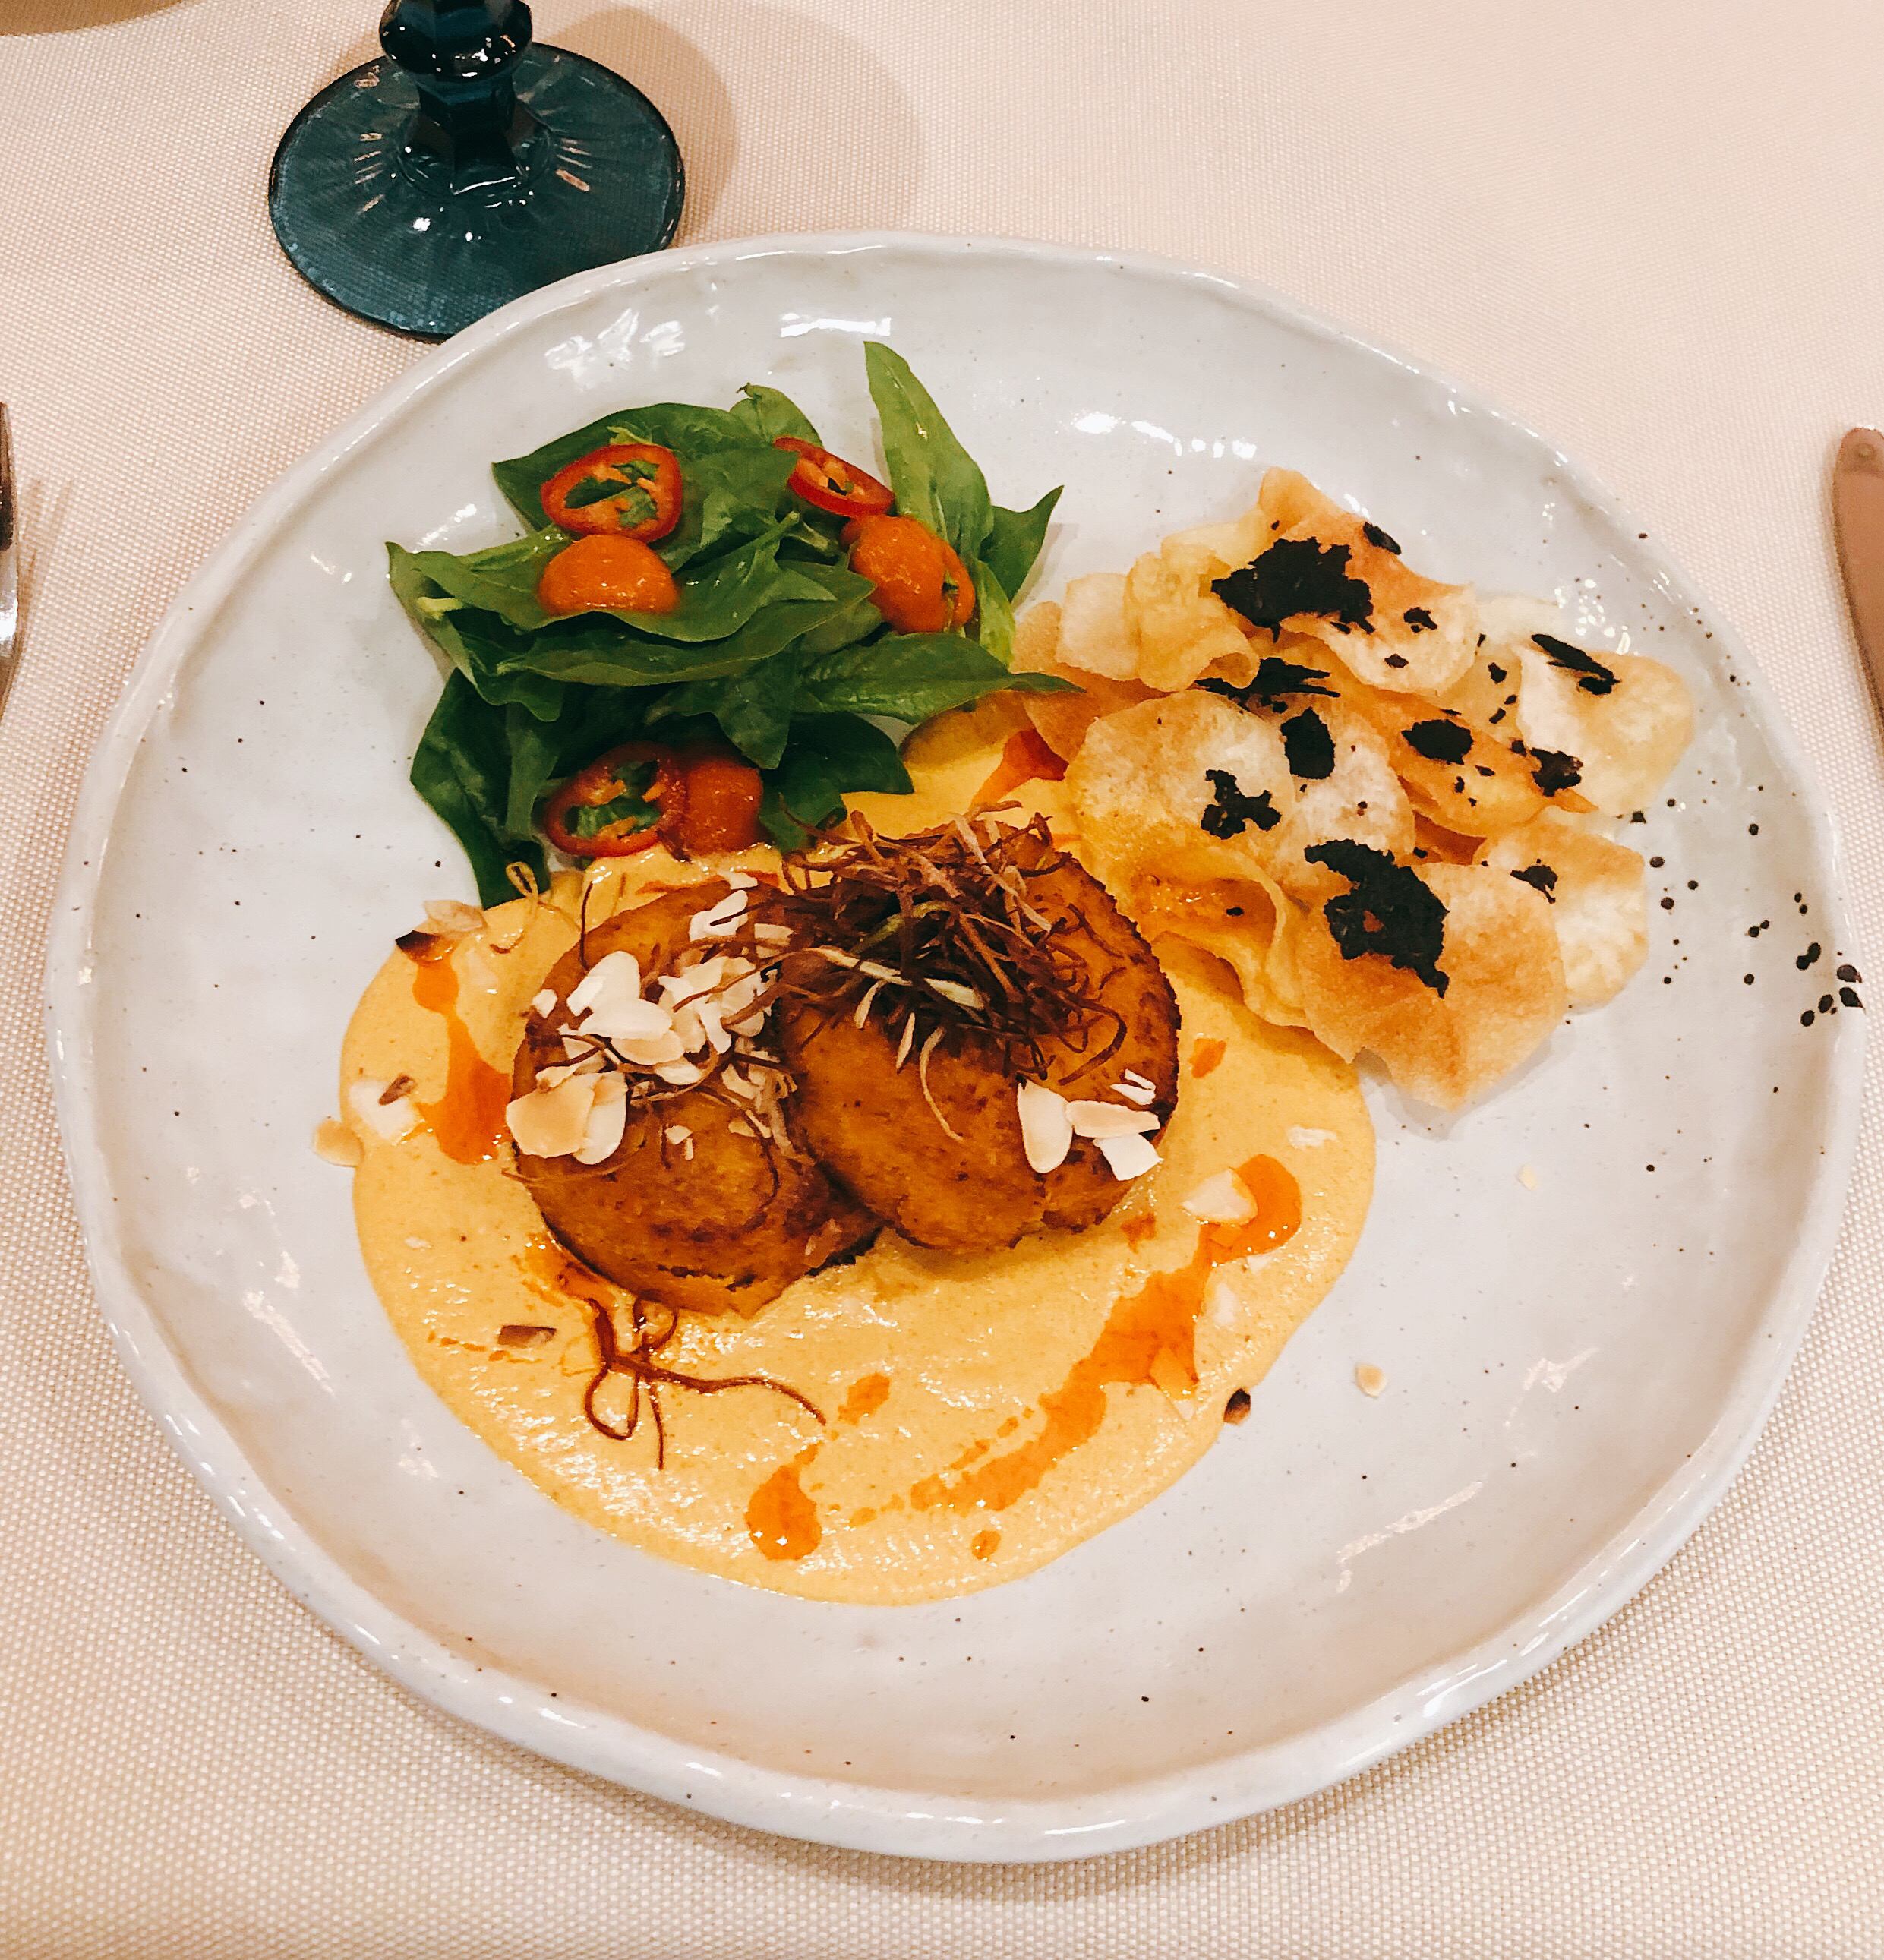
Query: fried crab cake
[
  {"x": 693, "y": 1209},
  {"x": 871, "y": 1125}
]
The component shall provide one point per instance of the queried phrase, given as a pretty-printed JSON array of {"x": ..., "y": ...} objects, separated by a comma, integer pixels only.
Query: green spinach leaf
[
  {"x": 768, "y": 414},
  {"x": 828, "y": 756},
  {"x": 911, "y": 677},
  {"x": 935, "y": 478},
  {"x": 462, "y": 768},
  {"x": 1014, "y": 541},
  {"x": 753, "y": 709},
  {"x": 688, "y": 431},
  {"x": 476, "y": 644}
]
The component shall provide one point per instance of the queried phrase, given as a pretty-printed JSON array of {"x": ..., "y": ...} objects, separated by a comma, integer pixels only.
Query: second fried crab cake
[{"x": 1012, "y": 964}]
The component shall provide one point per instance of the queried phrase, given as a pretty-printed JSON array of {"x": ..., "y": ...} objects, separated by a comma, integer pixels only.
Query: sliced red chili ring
[
  {"x": 832, "y": 484},
  {"x": 620, "y": 803},
  {"x": 632, "y": 489}
]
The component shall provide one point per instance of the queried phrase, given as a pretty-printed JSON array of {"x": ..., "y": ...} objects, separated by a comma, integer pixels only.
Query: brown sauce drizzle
[
  {"x": 1149, "y": 1338},
  {"x": 651, "y": 1328}
]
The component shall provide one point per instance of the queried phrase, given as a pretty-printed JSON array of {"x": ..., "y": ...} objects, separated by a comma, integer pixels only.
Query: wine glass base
[{"x": 395, "y": 233}]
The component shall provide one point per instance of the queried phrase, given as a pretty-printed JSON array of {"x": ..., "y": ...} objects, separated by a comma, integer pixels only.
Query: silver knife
[
  {"x": 9, "y": 560},
  {"x": 1857, "y": 513}
]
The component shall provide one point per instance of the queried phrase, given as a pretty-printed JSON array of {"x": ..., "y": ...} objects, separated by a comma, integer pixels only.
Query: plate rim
[{"x": 859, "y": 1817}]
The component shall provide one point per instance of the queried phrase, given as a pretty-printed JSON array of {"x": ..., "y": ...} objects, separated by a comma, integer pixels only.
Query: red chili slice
[
  {"x": 604, "y": 781},
  {"x": 632, "y": 489},
  {"x": 832, "y": 484}
]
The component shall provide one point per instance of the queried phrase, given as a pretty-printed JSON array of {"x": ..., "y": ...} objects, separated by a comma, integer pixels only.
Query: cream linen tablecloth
[{"x": 1652, "y": 227}]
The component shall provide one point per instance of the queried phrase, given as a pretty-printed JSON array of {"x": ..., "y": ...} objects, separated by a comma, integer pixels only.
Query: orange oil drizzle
[
  {"x": 1136, "y": 1231},
  {"x": 1024, "y": 758},
  {"x": 780, "y": 1518},
  {"x": 1149, "y": 1337},
  {"x": 865, "y": 1396},
  {"x": 467, "y": 1118},
  {"x": 983, "y": 1544},
  {"x": 1208, "y": 1052}
]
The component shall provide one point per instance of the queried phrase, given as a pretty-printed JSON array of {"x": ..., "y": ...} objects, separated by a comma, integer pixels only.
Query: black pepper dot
[
  {"x": 1694, "y": 885},
  {"x": 1805, "y": 1019},
  {"x": 1753, "y": 830},
  {"x": 1848, "y": 972},
  {"x": 1806, "y": 958},
  {"x": 1655, "y": 864},
  {"x": 1651, "y": 1166},
  {"x": 1748, "y": 978},
  {"x": 1849, "y": 997},
  {"x": 1824, "y": 1004},
  {"x": 1668, "y": 905}
]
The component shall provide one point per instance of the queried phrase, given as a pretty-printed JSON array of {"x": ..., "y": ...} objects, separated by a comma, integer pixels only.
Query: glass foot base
[{"x": 391, "y": 231}]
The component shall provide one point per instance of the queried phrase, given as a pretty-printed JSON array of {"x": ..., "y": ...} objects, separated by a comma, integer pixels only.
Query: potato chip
[
  {"x": 1190, "y": 788},
  {"x": 1329, "y": 572},
  {"x": 1179, "y": 626},
  {"x": 1245, "y": 922},
  {"x": 1496, "y": 956},
  {"x": 1345, "y": 787},
  {"x": 1596, "y": 890},
  {"x": 1061, "y": 720},
  {"x": 1093, "y": 631},
  {"x": 1622, "y": 719}
]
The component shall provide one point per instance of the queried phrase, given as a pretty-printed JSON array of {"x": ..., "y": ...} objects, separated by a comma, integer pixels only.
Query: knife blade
[{"x": 1858, "y": 516}]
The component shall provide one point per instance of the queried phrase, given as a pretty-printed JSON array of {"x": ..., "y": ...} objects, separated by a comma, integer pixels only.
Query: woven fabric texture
[{"x": 1651, "y": 230}]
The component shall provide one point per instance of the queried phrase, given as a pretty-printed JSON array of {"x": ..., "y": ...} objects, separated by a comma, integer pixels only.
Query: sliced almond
[
  {"x": 544, "y": 1005},
  {"x": 1109, "y": 1119},
  {"x": 607, "y": 1119},
  {"x": 335, "y": 1144},
  {"x": 1300, "y": 1139},
  {"x": 1129, "y": 1156},
  {"x": 1135, "y": 1089},
  {"x": 720, "y": 920},
  {"x": 1369, "y": 1380},
  {"x": 614, "y": 976},
  {"x": 553, "y": 1122},
  {"x": 1046, "y": 1126},
  {"x": 1222, "y": 1200},
  {"x": 453, "y": 917},
  {"x": 390, "y": 1122}
]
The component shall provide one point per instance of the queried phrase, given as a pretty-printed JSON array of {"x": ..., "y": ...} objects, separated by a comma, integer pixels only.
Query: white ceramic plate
[{"x": 1574, "y": 1371}]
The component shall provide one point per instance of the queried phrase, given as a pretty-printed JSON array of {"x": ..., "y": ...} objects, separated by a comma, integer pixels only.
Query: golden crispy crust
[
  {"x": 726, "y": 1231},
  {"x": 870, "y": 1124}
]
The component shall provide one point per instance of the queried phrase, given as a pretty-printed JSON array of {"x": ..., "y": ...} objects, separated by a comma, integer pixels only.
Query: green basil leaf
[
  {"x": 1014, "y": 541},
  {"x": 828, "y": 756},
  {"x": 768, "y": 414},
  {"x": 911, "y": 677},
  {"x": 462, "y": 768}
]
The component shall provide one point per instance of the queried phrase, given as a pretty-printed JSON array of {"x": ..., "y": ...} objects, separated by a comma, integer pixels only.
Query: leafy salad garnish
[{"x": 775, "y": 649}]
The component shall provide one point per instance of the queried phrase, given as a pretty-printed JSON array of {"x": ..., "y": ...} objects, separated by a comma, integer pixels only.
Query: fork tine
[{"x": 9, "y": 553}]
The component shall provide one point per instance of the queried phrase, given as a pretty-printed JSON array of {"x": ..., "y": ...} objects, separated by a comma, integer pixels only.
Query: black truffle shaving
[
  {"x": 1310, "y": 747},
  {"x": 1230, "y": 811},
  {"x": 1420, "y": 619},
  {"x": 1296, "y": 576},
  {"x": 1592, "y": 676},
  {"x": 1552, "y": 770},
  {"x": 1493, "y": 668},
  {"x": 1541, "y": 878},
  {"x": 1391, "y": 911},
  {"x": 1379, "y": 539},
  {"x": 1275, "y": 681},
  {"x": 1439, "y": 741}
]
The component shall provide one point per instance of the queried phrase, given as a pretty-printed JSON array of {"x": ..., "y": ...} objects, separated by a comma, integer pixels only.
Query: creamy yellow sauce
[{"x": 983, "y": 1414}]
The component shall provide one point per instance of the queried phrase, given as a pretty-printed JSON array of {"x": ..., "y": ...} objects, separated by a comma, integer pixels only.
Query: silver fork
[{"x": 9, "y": 559}]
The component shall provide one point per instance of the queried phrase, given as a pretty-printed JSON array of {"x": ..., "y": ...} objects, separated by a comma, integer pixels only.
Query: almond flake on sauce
[
  {"x": 335, "y": 1144},
  {"x": 1369, "y": 1380},
  {"x": 1222, "y": 1200},
  {"x": 453, "y": 917},
  {"x": 1300, "y": 1139},
  {"x": 389, "y": 1122}
]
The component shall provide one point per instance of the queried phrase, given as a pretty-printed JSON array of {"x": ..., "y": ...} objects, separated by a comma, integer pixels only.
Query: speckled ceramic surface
[{"x": 1583, "y": 1293}]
